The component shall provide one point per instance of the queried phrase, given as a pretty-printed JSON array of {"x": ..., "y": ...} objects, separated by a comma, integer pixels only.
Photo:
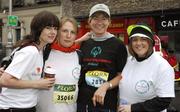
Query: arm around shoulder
[{"x": 83, "y": 38}]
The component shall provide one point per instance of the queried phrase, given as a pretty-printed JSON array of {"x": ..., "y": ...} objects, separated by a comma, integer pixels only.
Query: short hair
[
  {"x": 93, "y": 15},
  {"x": 65, "y": 19},
  {"x": 69, "y": 19}
]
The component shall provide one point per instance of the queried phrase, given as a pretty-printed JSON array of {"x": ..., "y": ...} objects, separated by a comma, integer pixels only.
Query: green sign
[{"x": 12, "y": 20}]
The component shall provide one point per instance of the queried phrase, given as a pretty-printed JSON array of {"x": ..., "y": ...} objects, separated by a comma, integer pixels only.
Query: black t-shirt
[{"x": 107, "y": 56}]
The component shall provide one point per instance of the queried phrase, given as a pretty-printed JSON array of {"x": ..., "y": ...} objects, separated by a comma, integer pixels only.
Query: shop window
[
  {"x": 1, "y": 25},
  {"x": 177, "y": 41},
  {"x": 172, "y": 39},
  {"x": 18, "y": 31},
  {"x": 46, "y": 1},
  {"x": 42, "y": 1},
  {"x": 18, "y": 3}
]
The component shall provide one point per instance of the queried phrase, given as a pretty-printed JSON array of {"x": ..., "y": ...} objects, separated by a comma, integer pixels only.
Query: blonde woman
[{"x": 64, "y": 59}]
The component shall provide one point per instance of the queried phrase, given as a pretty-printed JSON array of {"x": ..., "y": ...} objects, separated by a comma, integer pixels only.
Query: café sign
[{"x": 169, "y": 22}]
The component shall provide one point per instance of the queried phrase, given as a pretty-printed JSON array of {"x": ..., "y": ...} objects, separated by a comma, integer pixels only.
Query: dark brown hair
[
  {"x": 150, "y": 50},
  {"x": 38, "y": 23}
]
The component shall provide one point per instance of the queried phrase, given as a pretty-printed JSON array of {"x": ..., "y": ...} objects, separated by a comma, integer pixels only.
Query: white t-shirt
[
  {"x": 67, "y": 71},
  {"x": 145, "y": 80},
  {"x": 26, "y": 65}
]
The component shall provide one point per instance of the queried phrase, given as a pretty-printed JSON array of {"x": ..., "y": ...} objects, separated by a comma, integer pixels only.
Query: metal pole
[
  {"x": 10, "y": 7},
  {"x": 10, "y": 34}
]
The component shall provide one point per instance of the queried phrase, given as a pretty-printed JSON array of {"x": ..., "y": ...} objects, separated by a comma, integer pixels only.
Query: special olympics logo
[
  {"x": 142, "y": 87},
  {"x": 96, "y": 51}
]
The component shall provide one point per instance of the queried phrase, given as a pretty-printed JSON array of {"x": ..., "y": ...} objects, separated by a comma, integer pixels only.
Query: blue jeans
[{"x": 86, "y": 108}]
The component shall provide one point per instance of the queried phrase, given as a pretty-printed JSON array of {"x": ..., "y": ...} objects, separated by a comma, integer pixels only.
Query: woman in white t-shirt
[
  {"x": 147, "y": 83},
  {"x": 20, "y": 81},
  {"x": 64, "y": 59}
]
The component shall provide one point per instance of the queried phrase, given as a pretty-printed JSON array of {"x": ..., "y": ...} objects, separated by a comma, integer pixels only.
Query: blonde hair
[{"x": 65, "y": 19}]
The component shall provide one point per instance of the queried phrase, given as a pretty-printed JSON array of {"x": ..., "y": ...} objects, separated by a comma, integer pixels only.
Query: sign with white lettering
[
  {"x": 168, "y": 22},
  {"x": 12, "y": 20}
]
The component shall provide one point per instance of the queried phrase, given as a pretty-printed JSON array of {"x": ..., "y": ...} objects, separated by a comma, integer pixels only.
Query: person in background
[
  {"x": 64, "y": 59},
  {"x": 21, "y": 80},
  {"x": 147, "y": 83},
  {"x": 169, "y": 55},
  {"x": 104, "y": 57}
]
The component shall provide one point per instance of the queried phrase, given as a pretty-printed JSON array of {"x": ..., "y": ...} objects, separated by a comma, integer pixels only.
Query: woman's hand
[
  {"x": 124, "y": 108},
  {"x": 100, "y": 93},
  {"x": 45, "y": 83}
]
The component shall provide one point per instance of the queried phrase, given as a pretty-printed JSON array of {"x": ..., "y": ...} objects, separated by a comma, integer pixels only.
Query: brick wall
[{"x": 82, "y": 7}]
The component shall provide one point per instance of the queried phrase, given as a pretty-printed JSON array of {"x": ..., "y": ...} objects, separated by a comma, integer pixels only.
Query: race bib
[
  {"x": 96, "y": 78},
  {"x": 64, "y": 93}
]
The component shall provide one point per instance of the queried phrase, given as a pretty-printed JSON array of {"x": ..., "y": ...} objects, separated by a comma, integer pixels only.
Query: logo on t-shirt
[
  {"x": 76, "y": 72},
  {"x": 96, "y": 51},
  {"x": 142, "y": 87},
  {"x": 37, "y": 71}
]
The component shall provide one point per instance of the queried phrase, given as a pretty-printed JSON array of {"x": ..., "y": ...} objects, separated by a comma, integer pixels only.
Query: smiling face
[
  {"x": 99, "y": 23},
  {"x": 48, "y": 35},
  {"x": 67, "y": 34},
  {"x": 140, "y": 46}
]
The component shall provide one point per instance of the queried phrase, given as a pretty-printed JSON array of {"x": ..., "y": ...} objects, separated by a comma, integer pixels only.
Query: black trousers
[{"x": 86, "y": 108}]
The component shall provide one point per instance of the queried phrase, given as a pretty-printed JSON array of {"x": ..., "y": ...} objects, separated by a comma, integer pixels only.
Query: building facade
[
  {"x": 24, "y": 10},
  {"x": 162, "y": 15},
  {"x": 120, "y": 9}
]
